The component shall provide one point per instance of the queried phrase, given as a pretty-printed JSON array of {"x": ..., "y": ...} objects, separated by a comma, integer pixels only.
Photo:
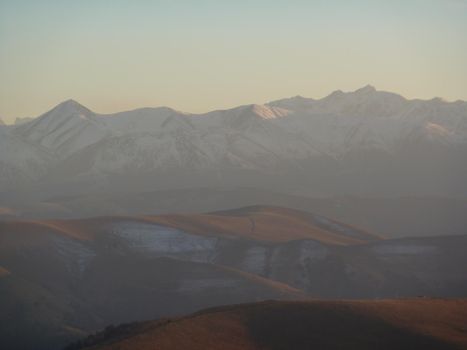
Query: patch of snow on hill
[
  {"x": 77, "y": 255},
  {"x": 164, "y": 241},
  {"x": 254, "y": 260}
]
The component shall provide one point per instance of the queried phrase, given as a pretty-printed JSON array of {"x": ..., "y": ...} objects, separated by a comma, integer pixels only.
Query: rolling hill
[
  {"x": 385, "y": 324},
  {"x": 64, "y": 278},
  {"x": 262, "y": 223},
  {"x": 390, "y": 217}
]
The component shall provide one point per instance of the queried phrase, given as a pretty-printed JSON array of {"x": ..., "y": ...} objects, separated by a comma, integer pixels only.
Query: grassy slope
[
  {"x": 270, "y": 224},
  {"x": 325, "y": 325}
]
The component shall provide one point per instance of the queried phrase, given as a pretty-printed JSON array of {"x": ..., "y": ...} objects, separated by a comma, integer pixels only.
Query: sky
[{"x": 195, "y": 56}]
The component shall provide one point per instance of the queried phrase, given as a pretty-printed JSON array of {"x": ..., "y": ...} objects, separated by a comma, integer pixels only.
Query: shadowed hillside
[
  {"x": 387, "y": 324},
  {"x": 62, "y": 279}
]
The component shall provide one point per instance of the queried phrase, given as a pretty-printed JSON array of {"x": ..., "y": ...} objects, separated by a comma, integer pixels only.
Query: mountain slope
[
  {"x": 21, "y": 163},
  {"x": 63, "y": 130},
  {"x": 386, "y": 324},
  {"x": 365, "y": 142},
  {"x": 271, "y": 224}
]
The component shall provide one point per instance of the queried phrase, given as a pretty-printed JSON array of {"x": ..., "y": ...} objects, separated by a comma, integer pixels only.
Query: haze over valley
[
  {"x": 362, "y": 195},
  {"x": 226, "y": 175}
]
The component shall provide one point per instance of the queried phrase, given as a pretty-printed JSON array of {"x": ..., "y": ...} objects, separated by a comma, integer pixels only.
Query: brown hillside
[
  {"x": 271, "y": 224},
  {"x": 72, "y": 228},
  {"x": 325, "y": 325},
  {"x": 267, "y": 224}
]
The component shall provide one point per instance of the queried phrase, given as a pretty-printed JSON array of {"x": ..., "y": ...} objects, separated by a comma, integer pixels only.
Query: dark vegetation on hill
[{"x": 429, "y": 324}]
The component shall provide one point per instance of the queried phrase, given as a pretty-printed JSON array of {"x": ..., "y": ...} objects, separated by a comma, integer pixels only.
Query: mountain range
[{"x": 366, "y": 143}]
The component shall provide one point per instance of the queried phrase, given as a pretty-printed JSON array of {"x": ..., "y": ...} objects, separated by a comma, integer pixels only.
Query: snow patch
[
  {"x": 311, "y": 250},
  {"x": 77, "y": 255},
  {"x": 335, "y": 227},
  {"x": 255, "y": 260},
  {"x": 164, "y": 241}
]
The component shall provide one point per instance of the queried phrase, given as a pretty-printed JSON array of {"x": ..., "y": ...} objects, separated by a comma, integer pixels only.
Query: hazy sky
[{"x": 200, "y": 55}]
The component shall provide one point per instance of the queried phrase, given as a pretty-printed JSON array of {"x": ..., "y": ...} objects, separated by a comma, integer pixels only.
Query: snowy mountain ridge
[{"x": 279, "y": 137}]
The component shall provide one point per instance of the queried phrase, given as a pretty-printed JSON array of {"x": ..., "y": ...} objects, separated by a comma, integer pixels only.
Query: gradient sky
[{"x": 200, "y": 55}]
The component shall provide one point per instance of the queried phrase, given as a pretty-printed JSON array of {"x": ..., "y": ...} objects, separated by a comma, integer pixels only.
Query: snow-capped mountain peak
[
  {"x": 296, "y": 103},
  {"x": 367, "y": 89},
  {"x": 69, "y": 107},
  {"x": 64, "y": 129},
  {"x": 299, "y": 136}
]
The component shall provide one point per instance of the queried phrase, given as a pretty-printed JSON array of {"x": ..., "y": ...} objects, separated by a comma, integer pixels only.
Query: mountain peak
[
  {"x": 336, "y": 93},
  {"x": 67, "y": 108},
  {"x": 438, "y": 100},
  {"x": 366, "y": 89},
  {"x": 70, "y": 101},
  {"x": 71, "y": 104},
  {"x": 298, "y": 97}
]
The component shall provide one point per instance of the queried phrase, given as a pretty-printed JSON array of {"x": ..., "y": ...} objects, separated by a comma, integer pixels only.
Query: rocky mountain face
[{"x": 366, "y": 142}]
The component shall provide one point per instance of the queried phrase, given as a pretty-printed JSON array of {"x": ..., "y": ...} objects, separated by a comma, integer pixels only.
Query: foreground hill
[
  {"x": 62, "y": 279},
  {"x": 325, "y": 325}
]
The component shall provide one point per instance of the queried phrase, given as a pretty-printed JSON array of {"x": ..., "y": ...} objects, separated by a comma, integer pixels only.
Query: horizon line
[{"x": 367, "y": 87}]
